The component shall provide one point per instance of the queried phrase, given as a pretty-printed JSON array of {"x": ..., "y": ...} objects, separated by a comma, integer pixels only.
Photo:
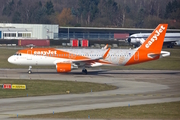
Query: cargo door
[{"x": 29, "y": 55}]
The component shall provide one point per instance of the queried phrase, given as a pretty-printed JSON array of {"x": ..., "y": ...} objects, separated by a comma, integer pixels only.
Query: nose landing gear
[
  {"x": 29, "y": 70},
  {"x": 84, "y": 71}
]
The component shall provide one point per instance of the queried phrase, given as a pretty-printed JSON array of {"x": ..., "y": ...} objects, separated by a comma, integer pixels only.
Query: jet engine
[
  {"x": 177, "y": 43},
  {"x": 63, "y": 67},
  {"x": 128, "y": 40},
  {"x": 135, "y": 40}
]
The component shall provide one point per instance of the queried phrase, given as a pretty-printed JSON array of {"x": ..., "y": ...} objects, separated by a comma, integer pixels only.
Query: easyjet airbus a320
[{"x": 66, "y": 60}]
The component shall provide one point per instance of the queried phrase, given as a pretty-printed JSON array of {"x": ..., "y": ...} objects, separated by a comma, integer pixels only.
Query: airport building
[
  {"x": 101, "y": 33},
  {"x": 52, "y": 34},
  {"x": 54, "y": 31},
  {"x": 28, "y": 31}
]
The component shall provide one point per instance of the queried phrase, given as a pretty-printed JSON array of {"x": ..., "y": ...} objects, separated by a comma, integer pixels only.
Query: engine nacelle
[
  {"x": 63, "y": 67},
  {"x": 177, "y": 43},
  {"x": 134, "y": 40}
]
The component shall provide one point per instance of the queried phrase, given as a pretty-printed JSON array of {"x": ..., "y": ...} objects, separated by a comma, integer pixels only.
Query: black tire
[
  {"x": 29, "y": 71},
  {"x": 84, "y": 71}
]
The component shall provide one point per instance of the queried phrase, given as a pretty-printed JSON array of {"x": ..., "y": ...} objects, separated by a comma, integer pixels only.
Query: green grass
[
  {"x": 152, "y": 111},
  {"x": 168, "y": 63},
  {"x": 43, "y": 87},
  {"x": 4, "y": 54}
]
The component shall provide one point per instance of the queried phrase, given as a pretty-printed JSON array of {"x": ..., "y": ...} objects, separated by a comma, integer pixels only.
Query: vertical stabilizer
[
  {"x": 155, "y": 41},
  {"x": 151, "y": 48}
]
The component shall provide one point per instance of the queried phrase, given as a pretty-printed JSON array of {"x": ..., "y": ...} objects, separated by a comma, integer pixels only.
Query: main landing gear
[
  {"x": 29, "y": 71},
  {"x": 84, "y": 71}
]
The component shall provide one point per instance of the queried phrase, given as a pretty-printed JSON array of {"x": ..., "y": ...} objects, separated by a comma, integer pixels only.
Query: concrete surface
[{"x": 135, "y": 87}]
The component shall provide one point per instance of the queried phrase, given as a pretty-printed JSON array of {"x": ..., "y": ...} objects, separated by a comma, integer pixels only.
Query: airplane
[
  {"x": 66, "y": 60},
  {"x": 170, "y": 40}
]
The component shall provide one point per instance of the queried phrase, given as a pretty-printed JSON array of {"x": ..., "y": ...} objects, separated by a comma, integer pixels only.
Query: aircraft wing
[
  {"x": 86, "y": 62},
  {"x": 91, "y": 61}
]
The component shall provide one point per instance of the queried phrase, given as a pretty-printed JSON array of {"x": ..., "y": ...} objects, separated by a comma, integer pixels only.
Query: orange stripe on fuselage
[{"x": 52, "y": 52}]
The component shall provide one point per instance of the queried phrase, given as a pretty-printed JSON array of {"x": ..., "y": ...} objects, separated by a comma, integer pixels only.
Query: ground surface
[
  {"x": 153, "y": 82},
  {"x": 152, "y": 111},
  {"x": 135, "y": 87},
  {"x": 44, "y": 87}
]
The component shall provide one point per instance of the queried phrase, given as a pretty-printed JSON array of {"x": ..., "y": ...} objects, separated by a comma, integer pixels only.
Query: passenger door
[{"x": 29, "y": 55}]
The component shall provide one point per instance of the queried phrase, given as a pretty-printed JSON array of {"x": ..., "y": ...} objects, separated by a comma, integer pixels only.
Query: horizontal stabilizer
[{"x": 162, "y": 54}]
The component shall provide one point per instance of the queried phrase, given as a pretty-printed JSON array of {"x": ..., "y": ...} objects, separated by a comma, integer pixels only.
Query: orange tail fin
[
  {"x": 151, "y": 48},
  {"x": 155, "y": 41}
]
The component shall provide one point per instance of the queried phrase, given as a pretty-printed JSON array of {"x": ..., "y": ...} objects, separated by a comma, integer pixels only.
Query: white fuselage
[
  {"x": 115, "y": 57},
  {"x": 169, "y": 37}
]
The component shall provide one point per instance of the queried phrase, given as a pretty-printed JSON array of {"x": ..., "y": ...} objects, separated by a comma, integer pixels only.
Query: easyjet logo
[
  {"x": 155, "y": 36},
  {"x": 45, "y": 52}
]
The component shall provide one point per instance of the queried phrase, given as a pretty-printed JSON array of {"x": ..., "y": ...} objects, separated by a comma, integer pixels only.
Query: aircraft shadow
[{"x": 106, "y": 72}]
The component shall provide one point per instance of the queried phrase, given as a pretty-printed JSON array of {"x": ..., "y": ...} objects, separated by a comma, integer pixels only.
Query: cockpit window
[{"x": 18, "y": 54}]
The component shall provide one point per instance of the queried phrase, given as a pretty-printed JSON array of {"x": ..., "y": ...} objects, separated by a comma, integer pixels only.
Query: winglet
[
  {"x": 105, "y": 47},
  {"x": 105, "y": 55}
]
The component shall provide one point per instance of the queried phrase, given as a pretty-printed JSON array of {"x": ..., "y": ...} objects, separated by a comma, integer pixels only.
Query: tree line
[{"x": 100, "y": 13}]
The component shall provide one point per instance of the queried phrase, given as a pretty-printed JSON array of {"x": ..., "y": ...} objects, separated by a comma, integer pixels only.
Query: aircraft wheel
[
  {"x": 84, "y": 71},
  {"x": 29, "y": 71}
]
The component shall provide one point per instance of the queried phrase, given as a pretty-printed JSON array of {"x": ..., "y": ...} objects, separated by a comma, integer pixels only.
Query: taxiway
[{"x": 134, "y": 87}]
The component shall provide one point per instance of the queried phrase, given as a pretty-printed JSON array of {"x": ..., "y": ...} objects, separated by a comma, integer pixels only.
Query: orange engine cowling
[{"x": 63, "y": 67}]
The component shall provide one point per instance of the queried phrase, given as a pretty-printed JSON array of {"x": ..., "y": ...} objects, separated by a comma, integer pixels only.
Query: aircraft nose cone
[{"x": 10, "y": 60}]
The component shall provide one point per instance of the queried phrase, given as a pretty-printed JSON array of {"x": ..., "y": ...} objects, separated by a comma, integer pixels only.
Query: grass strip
[
  {"x": 151, "y": 111},
  {"x": 51, "y": 87}
]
